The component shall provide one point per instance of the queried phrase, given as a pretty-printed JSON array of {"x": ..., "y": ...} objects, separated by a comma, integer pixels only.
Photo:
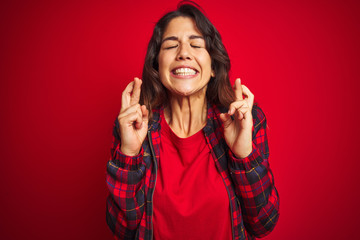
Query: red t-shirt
[{"x": 190, "y": 199}]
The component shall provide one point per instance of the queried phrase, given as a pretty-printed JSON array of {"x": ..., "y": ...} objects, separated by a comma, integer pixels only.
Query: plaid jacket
[{"x": 254, "y": 201}]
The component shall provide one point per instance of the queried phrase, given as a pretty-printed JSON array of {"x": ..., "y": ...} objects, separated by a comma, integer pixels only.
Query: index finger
[{"x": 238, "y": 89}]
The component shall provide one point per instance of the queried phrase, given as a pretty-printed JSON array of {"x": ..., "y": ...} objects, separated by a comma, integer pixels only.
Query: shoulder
[
  {"x": 215, "y": 110},
  {"x": 155, "y": 120},
  {"x": 258, "y": 115},
  {"x": 257, "y": 112}
]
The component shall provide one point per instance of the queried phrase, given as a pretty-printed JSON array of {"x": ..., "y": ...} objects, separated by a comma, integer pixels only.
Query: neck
[{"x": 186, "y": 115}]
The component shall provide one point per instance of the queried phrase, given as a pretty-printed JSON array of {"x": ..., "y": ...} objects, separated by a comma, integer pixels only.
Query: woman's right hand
[{"x": 133, "y": 119}]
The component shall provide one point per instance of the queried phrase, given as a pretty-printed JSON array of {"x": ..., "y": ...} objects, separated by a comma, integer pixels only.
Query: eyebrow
[{"x": 173, "y": 38}]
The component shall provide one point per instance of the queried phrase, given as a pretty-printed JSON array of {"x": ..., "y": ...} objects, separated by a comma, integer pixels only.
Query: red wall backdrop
[{"x": 64, "y": 65}]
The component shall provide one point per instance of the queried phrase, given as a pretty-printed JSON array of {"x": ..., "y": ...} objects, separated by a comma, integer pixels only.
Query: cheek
[
  {"x": 162, "y": 64},
  {"x": 206, "y": 63},
  {"x": 163, "y": 71}
]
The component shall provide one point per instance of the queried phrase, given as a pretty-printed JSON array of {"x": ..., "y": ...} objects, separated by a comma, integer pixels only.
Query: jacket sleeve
[
  {"x": 254, "y": 182},
  {"x": 125, "y": 181}
]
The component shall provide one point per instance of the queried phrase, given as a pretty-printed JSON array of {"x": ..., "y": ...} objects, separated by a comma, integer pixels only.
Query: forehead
[{"x": 181, "y": 26}]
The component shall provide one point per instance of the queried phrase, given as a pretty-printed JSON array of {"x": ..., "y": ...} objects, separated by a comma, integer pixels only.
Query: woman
[{"x": 190, "y": 155}]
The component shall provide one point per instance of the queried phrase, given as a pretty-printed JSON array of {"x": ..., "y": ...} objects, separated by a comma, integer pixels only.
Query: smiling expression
[{"x": 184, "y": 62}]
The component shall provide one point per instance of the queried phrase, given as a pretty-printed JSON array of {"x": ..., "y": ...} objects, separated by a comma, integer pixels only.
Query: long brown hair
[{"x": 219, "y": 91}]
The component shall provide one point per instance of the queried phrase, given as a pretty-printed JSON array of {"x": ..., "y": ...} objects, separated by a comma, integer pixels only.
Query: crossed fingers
[
  {"x": 131, "y": 94},
  {"x": 131, "y": 112},
  {"x": 241, "y": 107}
]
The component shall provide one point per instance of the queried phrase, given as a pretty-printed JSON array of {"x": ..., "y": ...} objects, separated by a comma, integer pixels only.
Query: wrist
[
  {"x": 128, "y": 152},
  {"x": 243, "y": 153}
]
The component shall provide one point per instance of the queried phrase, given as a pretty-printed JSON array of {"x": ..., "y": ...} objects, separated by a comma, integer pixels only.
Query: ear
[{"x": 212, "y": 73}]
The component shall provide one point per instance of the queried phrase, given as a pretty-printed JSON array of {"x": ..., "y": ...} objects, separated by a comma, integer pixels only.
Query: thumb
[{"x": 226, "y": 119}]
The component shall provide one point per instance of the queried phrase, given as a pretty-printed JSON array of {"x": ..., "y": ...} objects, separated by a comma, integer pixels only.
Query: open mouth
[{"x": 184, "y": 71}]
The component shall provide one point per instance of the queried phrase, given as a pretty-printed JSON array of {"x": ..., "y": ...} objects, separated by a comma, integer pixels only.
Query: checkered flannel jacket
[{"x": 254, "y": 201}]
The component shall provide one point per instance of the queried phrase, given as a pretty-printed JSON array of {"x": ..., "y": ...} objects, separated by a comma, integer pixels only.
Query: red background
[{"x": 64, "y": 65}]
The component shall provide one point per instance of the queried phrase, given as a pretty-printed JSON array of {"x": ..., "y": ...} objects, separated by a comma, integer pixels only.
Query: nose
[{"x": 184, "y": 52}]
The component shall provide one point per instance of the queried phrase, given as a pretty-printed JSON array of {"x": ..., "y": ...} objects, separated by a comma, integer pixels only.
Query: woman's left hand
[{"x": 238, "y": 131}]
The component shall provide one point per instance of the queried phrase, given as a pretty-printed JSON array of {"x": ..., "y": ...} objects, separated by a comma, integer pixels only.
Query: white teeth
[{"x": 185, "y": 71}]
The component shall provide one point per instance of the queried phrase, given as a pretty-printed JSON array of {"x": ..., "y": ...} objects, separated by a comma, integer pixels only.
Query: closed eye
[
  {"x": 195, "y": 46},
  {"x": 170, "y": 47}
]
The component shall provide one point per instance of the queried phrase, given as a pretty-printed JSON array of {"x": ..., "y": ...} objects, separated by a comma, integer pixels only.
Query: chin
[
  {"x": 186, "y": 92},
  {"x": 183, "y": 94}
]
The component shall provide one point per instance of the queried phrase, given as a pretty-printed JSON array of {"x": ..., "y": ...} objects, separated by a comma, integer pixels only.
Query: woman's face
[{"x": 184, "y": 62}]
